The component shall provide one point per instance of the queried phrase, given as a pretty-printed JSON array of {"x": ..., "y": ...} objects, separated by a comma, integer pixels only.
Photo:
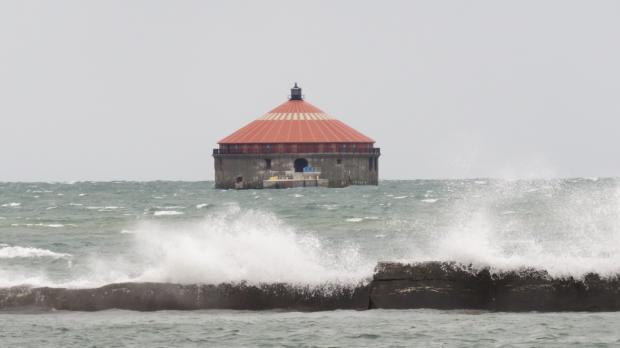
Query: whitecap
[
  {"x": 356, "y": 219},
  {"x": 400, "y": 197},
  {"x": 167, "y": 213},
  {"x": 297, "y": 195},
  {"x": 10, "y": 252},
  {"x": 429, "y": 200},
  {"x": 41, "y": 225},
  {"x": 12, "y": 204},
  {"x": 106, "y": 208}
]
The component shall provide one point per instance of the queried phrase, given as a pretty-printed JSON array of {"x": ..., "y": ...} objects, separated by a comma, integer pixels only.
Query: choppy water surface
[
  {"x": 407, "y": 328},
  {"x": 89, "y": 234}
]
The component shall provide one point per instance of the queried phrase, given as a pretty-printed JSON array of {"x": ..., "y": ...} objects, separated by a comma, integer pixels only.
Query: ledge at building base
[{"x": 440, "y": 285}]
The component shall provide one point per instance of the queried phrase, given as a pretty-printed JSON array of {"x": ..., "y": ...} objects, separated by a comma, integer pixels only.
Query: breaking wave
[
  {"x": 574, "y": 235},
  {"x": 242, "y": 245},
  {"x": 229, "y": 245},
  {"x": 568, "y": 232}
]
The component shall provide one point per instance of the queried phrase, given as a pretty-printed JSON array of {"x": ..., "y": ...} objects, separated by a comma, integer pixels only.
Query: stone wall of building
[{"x": 249, "y": 171}]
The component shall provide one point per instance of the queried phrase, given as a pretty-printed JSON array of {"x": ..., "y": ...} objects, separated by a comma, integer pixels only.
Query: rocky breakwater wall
[
  {"x": 440, "y": 285},
  {"x": 166, "y": 296},
  {"x": 448, "y": 285}
]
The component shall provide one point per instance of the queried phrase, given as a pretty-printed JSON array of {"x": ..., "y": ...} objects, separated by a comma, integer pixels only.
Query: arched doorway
[{"x": 300, "y": 164}]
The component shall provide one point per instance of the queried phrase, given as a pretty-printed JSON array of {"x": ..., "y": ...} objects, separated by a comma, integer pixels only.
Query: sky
[{"x": 143, "y": 90}]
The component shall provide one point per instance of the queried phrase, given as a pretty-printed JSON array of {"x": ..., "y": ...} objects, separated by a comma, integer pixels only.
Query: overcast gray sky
[{"x": 142, "y": 90}]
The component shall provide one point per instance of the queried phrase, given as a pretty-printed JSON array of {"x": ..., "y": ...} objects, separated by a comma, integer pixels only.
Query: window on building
[{"x": 267, "y": 163}]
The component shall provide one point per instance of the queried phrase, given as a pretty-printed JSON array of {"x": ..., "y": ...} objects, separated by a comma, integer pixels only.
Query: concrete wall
[{"x": 340, "y": 169}]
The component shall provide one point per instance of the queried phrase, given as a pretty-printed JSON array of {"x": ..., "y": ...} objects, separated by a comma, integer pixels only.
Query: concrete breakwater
[{"x": 440, "y": 285}]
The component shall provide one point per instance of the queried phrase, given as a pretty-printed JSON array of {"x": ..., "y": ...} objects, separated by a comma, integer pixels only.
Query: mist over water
[{"x": 90, "y": 234}]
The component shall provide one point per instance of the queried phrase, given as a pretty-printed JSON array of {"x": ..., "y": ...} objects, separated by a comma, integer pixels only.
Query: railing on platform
[{"x": 300, "y": 149}]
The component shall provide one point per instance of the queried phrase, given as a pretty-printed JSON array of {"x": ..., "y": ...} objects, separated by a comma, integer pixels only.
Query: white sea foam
[
  {"x": 429, "y": 200},
  {"x": 167, "y": 213},
  {"x": 400, "y": 197},
  {"x": 202, "y": 205},
  {"x": 12, "y": 204},
  {"x": 229, "y": 245},
  {"x": 588, "y": 239},
  {"x": 10, "y": 252},
  {"x": 242, "y": 245},
  {"x": 355, "y": 219}
]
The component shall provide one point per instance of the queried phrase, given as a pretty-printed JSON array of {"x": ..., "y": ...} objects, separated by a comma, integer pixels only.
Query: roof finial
[{"x": 296, "y": 93}]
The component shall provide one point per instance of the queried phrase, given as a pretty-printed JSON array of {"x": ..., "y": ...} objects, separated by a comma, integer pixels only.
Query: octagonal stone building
[{"x": 294, "y": 145}]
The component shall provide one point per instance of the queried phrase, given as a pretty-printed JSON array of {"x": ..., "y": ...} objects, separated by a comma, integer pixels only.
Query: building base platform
[{"x": 291, "y": 183}]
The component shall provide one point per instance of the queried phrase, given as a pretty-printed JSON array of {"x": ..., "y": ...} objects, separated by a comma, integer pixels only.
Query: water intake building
[{"x": 296, "y": 144}]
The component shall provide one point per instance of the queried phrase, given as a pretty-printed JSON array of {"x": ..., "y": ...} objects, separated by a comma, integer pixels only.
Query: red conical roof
[{"x": 296, "y": 121}]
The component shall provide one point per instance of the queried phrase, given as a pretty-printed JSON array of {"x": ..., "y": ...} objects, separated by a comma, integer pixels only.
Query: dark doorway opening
[{"x": 300, "y": 164}]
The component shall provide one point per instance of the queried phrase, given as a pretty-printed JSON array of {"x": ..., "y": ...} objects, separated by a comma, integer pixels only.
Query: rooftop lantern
[{"x": 296, "y": 93}]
